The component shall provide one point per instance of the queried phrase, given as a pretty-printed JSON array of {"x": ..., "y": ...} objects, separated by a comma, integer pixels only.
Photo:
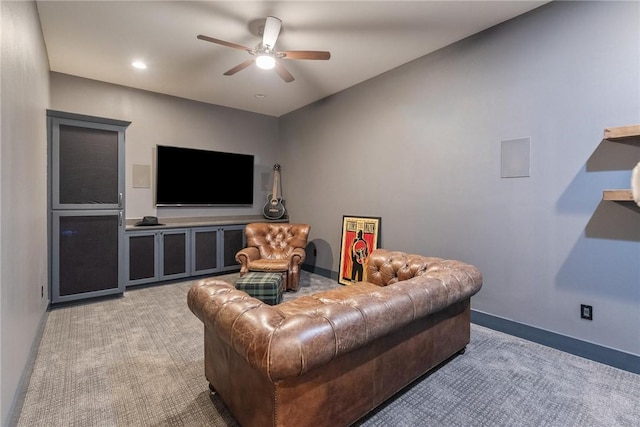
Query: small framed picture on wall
[{"x": 360, "y": 237}]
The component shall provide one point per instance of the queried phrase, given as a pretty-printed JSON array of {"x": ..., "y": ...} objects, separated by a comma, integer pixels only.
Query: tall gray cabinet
[{"x": 86, "y": 204}]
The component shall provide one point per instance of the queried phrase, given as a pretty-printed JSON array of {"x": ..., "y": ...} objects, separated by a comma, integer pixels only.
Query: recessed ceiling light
[
  {"x": 260, "y": 95},
  {"x": 139, "y": 65}
]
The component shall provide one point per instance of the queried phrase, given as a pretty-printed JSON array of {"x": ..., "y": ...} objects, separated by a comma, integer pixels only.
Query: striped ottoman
[{"x": 267, "y": 287}]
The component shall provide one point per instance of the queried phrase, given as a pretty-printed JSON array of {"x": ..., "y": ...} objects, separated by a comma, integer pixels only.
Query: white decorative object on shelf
[{"x": 635, "y": 184}]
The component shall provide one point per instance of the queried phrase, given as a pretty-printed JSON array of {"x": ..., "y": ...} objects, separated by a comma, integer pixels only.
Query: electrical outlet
[
  {"x": 41, "y": 291},
  {"x": 586, "y": 312}
]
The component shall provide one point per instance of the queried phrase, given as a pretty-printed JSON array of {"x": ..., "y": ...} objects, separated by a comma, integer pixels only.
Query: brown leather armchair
[{"x": 275, "y": 247}]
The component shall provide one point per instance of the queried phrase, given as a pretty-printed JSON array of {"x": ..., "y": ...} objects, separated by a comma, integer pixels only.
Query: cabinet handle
[
  {"x": 120, "y": 218},
  {"x": 119, "y": 200}
]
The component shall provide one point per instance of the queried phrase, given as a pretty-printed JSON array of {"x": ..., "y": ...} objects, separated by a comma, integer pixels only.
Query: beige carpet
[
  {"x": 138, "y": 361},
  {"x": 130, "y": 361}
]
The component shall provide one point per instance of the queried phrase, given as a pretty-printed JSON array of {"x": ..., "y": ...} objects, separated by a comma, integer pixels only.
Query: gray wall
[
  {"x": 420, "y": 147},
  {"x": 166, "y": 120},
  {"x": 24, "y": 85}
]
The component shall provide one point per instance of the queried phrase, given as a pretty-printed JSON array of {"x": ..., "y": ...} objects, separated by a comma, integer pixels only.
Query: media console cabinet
[{"x": 184, "y": 247}]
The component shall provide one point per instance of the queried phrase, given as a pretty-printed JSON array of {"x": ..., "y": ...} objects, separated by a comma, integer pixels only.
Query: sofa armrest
[
  {"x": 242, "y": 322},
  {"x": 297, "y": 257},
  {"x": 243, "y": 256},
  {"x": 274, "y": 344}
]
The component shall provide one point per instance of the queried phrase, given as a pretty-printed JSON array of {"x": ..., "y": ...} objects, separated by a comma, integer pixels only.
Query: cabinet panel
[
  {"x": 88, "y": 165},
  {"x": 142, "y": 257},
  {"x": 87, "y": 161},
  {"x": 86, "y": 254},
  {"x": 233, "y": 240},
  {"x": 175, "y": 254},
  {"x": 205, "y": 250}
]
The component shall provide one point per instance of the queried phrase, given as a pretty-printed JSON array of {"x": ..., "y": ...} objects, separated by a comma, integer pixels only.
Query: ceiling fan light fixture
[
  {"x": 264, "y": 54},
  {"x": 265, "y": 62}
]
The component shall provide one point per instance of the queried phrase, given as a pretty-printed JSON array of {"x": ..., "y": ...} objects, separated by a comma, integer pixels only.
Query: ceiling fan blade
[
  {"x": 282, "y": 72},
  {"x": 224, "y": 43},
  {"x": 305, "y": 54},
  {"x": 240, "y": 67},
  {"x": 271, "y": 31}
]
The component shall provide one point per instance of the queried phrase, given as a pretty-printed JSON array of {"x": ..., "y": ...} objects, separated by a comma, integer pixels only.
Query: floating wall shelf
[
  {"x": 630, "y": 134},
  {"x": 617, "y": 195},
  {"x": 626, "y": 135}
]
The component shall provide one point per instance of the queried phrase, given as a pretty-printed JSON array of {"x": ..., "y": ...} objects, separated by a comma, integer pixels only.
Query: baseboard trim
[
  {"x": 608, "y": 356},
  {"x": 320, "y": 271},
  {"x": 21, "y": 391}
]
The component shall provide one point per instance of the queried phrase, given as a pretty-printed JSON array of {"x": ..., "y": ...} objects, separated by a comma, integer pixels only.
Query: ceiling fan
[{"x": 264, "y": 54}]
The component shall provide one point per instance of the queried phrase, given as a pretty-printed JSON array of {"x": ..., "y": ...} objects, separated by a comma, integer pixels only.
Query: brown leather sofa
[
  {"x": 275, "y": 247},
  {"x": 330, "y": 358}
]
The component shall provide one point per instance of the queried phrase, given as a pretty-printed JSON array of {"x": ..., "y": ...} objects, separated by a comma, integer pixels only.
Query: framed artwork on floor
[{"x": 360, "y": 237}]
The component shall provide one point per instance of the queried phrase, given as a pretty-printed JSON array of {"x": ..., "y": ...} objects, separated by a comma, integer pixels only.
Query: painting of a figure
[{"x": 360, "y": 236}]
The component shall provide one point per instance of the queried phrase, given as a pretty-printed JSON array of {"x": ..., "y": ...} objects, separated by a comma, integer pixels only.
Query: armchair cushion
[{"x": 269, "y": 265}]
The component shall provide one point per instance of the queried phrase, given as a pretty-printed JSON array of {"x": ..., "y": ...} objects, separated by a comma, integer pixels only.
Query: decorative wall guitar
[{"x": 274, "y": 208}]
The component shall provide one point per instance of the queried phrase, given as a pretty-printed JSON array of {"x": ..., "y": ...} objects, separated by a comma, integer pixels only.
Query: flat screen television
[{"x": 193, "y": 177}]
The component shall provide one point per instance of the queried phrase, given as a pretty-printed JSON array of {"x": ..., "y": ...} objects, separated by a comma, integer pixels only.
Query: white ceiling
[{"x": 99, "y": 40}]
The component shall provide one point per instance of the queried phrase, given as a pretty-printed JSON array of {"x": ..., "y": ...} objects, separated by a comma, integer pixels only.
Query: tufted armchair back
[
  {"x": 275, "y": 247},
  {"x": 276, "y": 241}
]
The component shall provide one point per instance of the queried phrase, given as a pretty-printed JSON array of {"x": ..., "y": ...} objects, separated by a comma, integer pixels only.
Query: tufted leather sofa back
[
  {"x": 388, "y": 267},
  {"x": 276, "y": 240},
  {"x": 292, "y": 338}
]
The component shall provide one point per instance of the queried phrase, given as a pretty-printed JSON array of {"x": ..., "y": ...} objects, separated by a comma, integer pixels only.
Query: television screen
[{"x": 192, "y": 177}]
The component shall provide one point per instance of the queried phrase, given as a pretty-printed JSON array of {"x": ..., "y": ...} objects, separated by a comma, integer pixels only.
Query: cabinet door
[
  {"x": 86, "y": 257},
  {"x": 174, "y": 250},
  {"x": 141, "y": 254},
  {"x": 87, "y": 164},
  {"x": 204, "y": 250},
  {"x": 233, "y": 240}
]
